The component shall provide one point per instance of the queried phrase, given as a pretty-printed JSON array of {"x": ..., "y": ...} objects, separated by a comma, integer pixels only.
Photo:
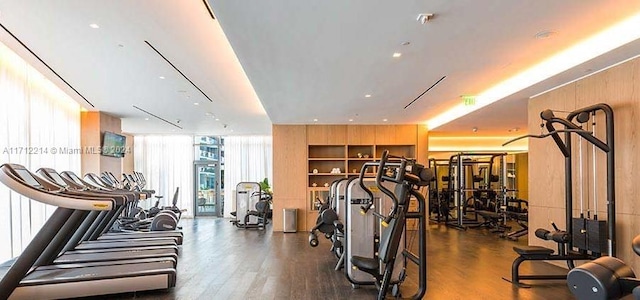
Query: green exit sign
[{"x": 468, "y": 100}]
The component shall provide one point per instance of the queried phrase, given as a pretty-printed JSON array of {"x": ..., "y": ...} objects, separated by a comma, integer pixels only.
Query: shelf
[
  {"x": 397, "y": 150},
  {"x": 327, "y": 152},
  {"x": 326, "y": 174},
  {"x": 362, "y": 159},
  {"x": 354, "y": 150},
  {"x": 325, "y": 159}
]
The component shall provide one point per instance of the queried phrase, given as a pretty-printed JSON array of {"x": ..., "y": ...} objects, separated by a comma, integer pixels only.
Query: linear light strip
[
  {"x": 185, "y": 76},
  {"x": 454, "y": 148},
  {"x": 432, "y": 86},
  {"x": 206, "y": 4},
  {"x": 155, "y": 116},
  {"x": 46, "y": 65},
  {"x": 585, "y": 76},
  {"x": 600, "y": 43},
  {"x": 478, "y": 138}
]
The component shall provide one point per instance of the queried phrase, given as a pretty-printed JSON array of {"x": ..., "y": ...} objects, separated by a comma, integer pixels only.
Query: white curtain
[
  {"x": 167, "y": 163},
  {"x": 246, "y": 159},
  {"x": 35, "y": 117}
]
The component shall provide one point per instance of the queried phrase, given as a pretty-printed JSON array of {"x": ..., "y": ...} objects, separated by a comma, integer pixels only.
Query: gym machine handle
[
  {"x": 561, "y": 237},
  {"x": 381, "y": 178},
  {"x": 363, "y": 170}
]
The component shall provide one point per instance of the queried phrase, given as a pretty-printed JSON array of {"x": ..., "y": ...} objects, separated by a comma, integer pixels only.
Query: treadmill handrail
[
  {"x": 69, "y": 176},
  {"x": 18, "y": 185}
]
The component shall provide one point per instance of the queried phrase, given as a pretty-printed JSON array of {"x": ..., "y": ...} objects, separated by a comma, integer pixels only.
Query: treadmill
[
  {"x": 29, "y": 278},
  {"x": 70, "y": 256},
  {"x": 54, "y": 176},
  {"x": 72, "y": 180},
  {"x": 97, "y": 224}
]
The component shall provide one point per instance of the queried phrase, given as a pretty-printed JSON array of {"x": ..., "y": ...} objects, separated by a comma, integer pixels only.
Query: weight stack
[
  {"x": 597, "y": 236},
  {"x": 579, "y": 233}
]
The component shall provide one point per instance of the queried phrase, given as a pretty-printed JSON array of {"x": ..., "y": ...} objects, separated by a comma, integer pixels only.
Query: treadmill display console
[
  {"x": 75, "y": 178},
  {"x": 28, "y": 179},
  {"x": 56, "y": 177}
]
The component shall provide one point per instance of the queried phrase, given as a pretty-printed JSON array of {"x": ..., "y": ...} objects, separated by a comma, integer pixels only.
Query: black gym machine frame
[
  {"x": 457, "y": 184},
  {"x": 408, "y": 177},
  {"x": 589, "y": 236}
]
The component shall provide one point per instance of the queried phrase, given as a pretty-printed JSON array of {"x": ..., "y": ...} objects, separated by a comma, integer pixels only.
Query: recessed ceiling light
[
  {"x": 367, "y": 96},
  {"x": 384, "y": 120},
  {"x": 474, "y": 129},
  {"x": 397, "y": 54},
  {"x": 315, "y": 120},
  {"x": 161, "y": 77},
  {"x": 350, "y": 120},
  {"x": 146, "y": 119},
  {"x": 208, "y": 114},
  {"x": 94, "y": 25},
  {"x": 121, "y": 45},
  {"x": 405, "y": 43},
  {"x": 217, "y": 119},
  {"x": 196, "y": 103},
  {"x": 544, "y": 34}
]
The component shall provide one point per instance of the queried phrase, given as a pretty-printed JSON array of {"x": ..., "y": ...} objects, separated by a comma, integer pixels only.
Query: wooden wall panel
[
  {"x": 327, "y": 134},
  {"x": 522, "y": 171},
  {"x": 396, "y": 134},
  {"x": 290, "y": 164},
  {"x": 422, "y": 144},
  {"x": 619, "y": 87},
  {"x": 90, "y": 139},
  {"x": 112, "y": 124},
  {"x": 92, "y": 126},
  {"x": 289, "y": 172},
  {"x": 361, "y": 134}
]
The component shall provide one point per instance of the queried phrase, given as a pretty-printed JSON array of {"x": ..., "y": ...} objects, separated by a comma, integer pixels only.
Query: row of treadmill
[
  {"x": 96, "y": 242},
  {"x": 372, "y": 224}
]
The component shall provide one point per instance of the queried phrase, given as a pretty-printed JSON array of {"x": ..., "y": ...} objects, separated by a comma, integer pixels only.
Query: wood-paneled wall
[
  {"x": 326, "y": 134},
  {"x": 289, "y": 173},
  {"x": 93, "y": 125},
  {"x": 522, "y": 171},
  {"x": 290, "y": 146},
  {"x": 619, "y": 87},
  {"x": 108, "y": 163}
]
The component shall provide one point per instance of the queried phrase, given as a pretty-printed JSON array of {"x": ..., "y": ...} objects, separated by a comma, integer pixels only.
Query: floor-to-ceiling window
[
  {"x": 247, "y": 159},
  {"x": 37, "y": 121},
  {"x": 167, "y": 162}
]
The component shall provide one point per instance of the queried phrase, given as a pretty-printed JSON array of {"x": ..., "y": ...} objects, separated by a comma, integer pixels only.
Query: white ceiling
[{"x": 305, "y": 59}]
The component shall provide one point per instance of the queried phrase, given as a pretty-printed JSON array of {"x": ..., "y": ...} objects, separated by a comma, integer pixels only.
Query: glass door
[{"x": 207, "y": 189}]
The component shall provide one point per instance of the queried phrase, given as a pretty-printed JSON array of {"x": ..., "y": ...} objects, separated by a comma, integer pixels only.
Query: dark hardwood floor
[{"x": 219, "y": 261}]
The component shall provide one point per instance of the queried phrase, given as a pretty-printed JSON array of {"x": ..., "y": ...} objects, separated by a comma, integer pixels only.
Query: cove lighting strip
[
  {"x": 476, "y": 143},
  {"x": 615, "y": 36}
]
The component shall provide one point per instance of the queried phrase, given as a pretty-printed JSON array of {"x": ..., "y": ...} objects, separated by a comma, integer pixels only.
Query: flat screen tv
[{"x": 113, "y": 144}]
